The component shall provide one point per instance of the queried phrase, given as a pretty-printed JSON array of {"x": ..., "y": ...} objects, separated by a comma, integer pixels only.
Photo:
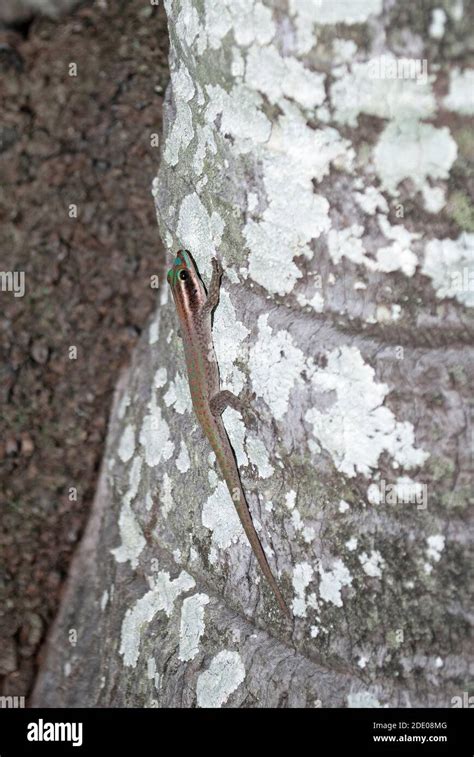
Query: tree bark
[{"x": 330, "y": 177}]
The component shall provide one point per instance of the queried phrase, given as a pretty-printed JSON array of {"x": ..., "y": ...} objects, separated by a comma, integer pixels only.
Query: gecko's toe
[{"x": 217, "y": 265}]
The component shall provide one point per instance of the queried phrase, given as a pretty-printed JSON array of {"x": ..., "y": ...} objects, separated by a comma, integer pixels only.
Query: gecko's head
[
  {"x": 184, "y": 280},
  {"x": 183, "y": 269}
]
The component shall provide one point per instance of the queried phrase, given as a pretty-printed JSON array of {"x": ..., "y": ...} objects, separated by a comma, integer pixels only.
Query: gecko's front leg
[{"x": 214, "y": 288}]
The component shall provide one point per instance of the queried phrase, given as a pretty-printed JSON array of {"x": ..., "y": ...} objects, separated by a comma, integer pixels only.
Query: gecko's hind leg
[
  {"x": 214, "y": 286},
  {"x": 226, "y": 398}
]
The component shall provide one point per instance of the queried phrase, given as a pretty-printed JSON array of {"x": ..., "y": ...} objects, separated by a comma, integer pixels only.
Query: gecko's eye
[{"x": 183, "y": 275}]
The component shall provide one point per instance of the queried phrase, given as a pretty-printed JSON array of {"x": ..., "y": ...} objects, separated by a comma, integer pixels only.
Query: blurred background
[{"x": 85, "y": 141}]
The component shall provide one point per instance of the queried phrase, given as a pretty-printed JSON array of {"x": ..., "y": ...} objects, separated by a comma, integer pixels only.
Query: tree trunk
[{"x": 322, "y": 155}]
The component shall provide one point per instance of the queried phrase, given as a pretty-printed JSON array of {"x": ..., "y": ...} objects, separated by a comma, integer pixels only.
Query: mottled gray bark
[{"x": 336, "y": 197}]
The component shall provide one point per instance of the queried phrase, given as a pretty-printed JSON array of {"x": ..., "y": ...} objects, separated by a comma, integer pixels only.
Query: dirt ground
[{"x": 66, "y": 140}]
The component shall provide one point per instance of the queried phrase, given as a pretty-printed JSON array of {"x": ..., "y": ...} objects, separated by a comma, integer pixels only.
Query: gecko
[{"x": 195, "y": 308}]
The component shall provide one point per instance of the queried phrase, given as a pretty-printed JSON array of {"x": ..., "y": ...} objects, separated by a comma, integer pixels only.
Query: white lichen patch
[
  {"x": 104, "y": 600},
  {"x": 275, "y": 365},
  {"x": 220, "y": 517},
  {"x": 258, "y": 456},
  {"x": 249, "y": 21},
  {"x": 182, "y": 130},
  {"x": 188, "y": 26},
  {"x": 132, "y": 539},
  {"x": 363, "y": 699},
  {"x": 206, "y": 143},
  {"x": 307, "y": 14},
  {"x": 438, "y": 23},
  {"x": 183, "y": 463},
  {"x": 296, "y": 519},
  {"x": 351, "y": 544},
  {"x": 212, "y": 477},
  {"x": 450, "y": 265},
  {"x": 315, "y": 301},
  {"x": 372, "y": 564},
  {"x": 362, "y": 661},
  {"x": 238, "y": 64},
  {"x": 332, "y": 581},
  {"x": 167, "y": 501},
  {"x": 309, "y": 534},
  {"x": 460, "y": 98},
  {"x": 224, "y": 676},
  {"x": 123, "y": 405},
  {"x": 357, "y": 428},
  {"x": 178, "y": 395},
  {"x": 361, "y": 90},
  {"x": 294, "y": 157},
  {"x": 240, "y": 115},
  {"x": 160, "y": 378},
  {"x": 348, "y": 243},
  {"x": 371, "y": 200},
  {"x": 435, "y": 547},
  {"x": 154, "y": 331},
  {"x": 235, "y": 428},
  {"x": 302, "y": 575},
  {"x": 161, "y": 596},
  {"x": 397, "y": 255},
  {"x": 344, "y": 50},
  {"x": 155, "y": 436},
  {"x": 191, "y": 626},
  {"x": 126, "y": 446},
  {"x": 228, "y": 336},
  {"x": 276, "y": 77},
  {"x": 434, "y": 198},
  {"x": 415, "y": 151},
  {"x": 290, "y": 499},
  {"x": 152, "y": 673}
]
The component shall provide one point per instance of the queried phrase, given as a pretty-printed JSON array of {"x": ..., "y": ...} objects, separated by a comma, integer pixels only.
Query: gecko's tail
[
  {"x": 234, "y": 485},
  {"x": 267, "y": 572},
  {"x": 249, "y": 528}
]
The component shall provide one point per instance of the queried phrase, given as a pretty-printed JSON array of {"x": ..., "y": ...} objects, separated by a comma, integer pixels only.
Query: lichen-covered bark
[{"x": 336, "y": 197}]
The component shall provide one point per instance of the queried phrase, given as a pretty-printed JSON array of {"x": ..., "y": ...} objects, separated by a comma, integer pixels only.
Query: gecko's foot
[
  {"x": 249, "y": 415},
  {"x": 223, "y": 400},
  {"x": 217, "y": 267},
  {"x": 226, "y": 398}
]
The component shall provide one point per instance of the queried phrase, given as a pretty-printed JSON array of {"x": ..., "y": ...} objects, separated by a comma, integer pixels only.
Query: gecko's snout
[{"x": 183, "y": 257}]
